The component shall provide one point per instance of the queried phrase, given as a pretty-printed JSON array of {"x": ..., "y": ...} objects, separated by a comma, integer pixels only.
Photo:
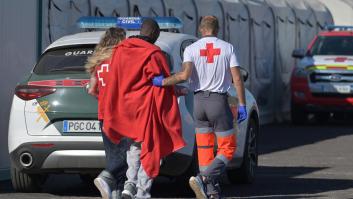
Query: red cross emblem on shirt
[{"x": 210, "y": 52}]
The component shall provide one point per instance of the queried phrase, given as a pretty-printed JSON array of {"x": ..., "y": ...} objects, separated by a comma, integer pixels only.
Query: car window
[
  {"x": 64, "y": 60},
  {"x": 333, "y": 45}
]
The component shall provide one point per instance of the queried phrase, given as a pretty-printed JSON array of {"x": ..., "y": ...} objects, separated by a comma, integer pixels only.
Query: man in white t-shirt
[{"x": 211, "y": 65}]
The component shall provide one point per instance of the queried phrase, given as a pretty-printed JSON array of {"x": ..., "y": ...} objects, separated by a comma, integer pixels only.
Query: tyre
[
  {"x": 298, "y": 115},
  {"x": 23, "y": 182},
  {"x": 246, "y": 173},
  {"x": 191, "y": 171},
  {"x": 182, "y": 181},
  {"x": 88, "y": 178}
]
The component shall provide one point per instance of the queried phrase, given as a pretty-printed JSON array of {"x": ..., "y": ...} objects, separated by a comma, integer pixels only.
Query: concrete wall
[{"x": 18, "y": 52}]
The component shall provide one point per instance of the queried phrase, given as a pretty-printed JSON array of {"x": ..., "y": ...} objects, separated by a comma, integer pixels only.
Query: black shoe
[{"x": 213, "y": 188}]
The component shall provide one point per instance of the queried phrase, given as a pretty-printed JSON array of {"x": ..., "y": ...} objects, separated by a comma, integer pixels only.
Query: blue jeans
[{"x": 116, "y": 158}]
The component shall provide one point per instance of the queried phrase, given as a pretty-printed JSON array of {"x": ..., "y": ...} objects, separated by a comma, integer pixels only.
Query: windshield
[
  {"x": 333, "y": 45},
  {"x": 64, "y": 60}
]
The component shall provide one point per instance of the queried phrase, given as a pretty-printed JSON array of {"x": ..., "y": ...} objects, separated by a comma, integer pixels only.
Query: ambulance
[{"x": 321, "y": 83}]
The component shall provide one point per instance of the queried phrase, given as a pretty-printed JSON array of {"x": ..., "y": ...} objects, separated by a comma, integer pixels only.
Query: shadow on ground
[
  {"x": 280, "y": 137},
  {"x": 286, "y": 182},
  {"x": 272, "y": 182}
]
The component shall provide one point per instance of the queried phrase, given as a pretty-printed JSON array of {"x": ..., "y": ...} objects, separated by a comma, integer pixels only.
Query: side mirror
[
  {"x": 298, "y": 53},
  {"x": 244, "y": 73}
]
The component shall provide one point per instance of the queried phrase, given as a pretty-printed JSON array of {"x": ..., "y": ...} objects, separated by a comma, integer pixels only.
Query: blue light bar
[
  {"x": 130, "y": 23},
  {"x": 168, "y": 22},
  {"x": 341, "y": 28}
]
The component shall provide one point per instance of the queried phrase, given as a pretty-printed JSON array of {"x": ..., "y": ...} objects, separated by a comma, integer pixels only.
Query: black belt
[{"x": 210, "y": 92}]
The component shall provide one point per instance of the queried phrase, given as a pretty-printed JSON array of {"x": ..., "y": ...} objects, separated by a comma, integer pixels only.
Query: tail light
[{"x": 29, "y": 92}]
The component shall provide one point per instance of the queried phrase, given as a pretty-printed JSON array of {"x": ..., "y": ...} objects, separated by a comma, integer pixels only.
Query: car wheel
[
  {"x": 246, "y": 173},
  {"x": 298, "y": 115},
  {"x": 88, "y": 178},
  {"x": 182, "y": 181},
  {"x": 23, "y": 182},
  {"x": 191, "y": 171}
]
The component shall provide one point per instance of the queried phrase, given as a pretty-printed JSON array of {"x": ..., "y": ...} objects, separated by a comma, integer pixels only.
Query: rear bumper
[
  {"x": 60, "y": 157},
  {"x": 75, "y": 159},
  {"x": 80, "y": 157}
]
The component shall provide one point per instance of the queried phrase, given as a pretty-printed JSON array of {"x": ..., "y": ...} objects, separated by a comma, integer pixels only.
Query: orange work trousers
[{"x": 226, "y": 147}]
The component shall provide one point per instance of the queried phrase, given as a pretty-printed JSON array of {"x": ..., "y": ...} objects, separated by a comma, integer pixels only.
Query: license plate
[
  {"x": 81, "y": 126},
  {"x": 342, "y": 88}
]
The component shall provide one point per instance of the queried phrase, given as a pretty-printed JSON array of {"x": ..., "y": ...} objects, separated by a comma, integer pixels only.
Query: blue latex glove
[
  {"x": 157, "y": 80},
  {"x": 242, "y": 114}
]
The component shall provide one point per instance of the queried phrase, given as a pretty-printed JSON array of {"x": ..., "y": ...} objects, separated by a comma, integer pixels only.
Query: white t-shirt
[{"x": 212, "y": 59}]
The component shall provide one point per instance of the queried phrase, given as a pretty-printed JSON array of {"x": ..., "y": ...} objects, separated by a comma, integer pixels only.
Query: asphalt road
[{"x": 310, "y": 161}]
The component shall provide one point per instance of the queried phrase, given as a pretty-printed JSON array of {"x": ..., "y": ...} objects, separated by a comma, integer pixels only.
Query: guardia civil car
[{"x": 53, "y": 125}]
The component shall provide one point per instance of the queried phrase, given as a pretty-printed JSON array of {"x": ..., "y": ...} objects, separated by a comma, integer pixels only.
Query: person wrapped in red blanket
[{"x": 134, "y": 108}]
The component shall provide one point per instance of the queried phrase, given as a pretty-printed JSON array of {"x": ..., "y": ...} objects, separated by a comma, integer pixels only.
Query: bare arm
[
  {"x": 181, "y": 76},
  {"x": 238, "y": 84}
]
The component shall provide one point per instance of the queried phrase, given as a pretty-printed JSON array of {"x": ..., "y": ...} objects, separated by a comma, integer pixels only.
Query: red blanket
[{"x": 136, "y": 109}]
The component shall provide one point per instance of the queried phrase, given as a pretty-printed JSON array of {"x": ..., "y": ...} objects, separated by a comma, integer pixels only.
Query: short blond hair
[{"x": 209, "y": 23}]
